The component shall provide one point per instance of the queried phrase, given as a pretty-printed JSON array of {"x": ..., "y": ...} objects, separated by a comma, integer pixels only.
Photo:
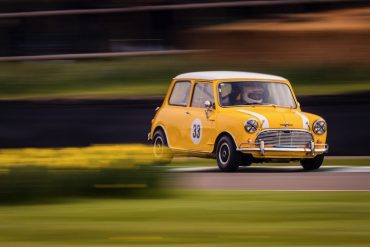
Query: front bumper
[{"x": 263, "y": 150}]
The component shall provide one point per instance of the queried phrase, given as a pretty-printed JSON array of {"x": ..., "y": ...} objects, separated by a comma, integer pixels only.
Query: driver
[{"x": 252, "y": 94}]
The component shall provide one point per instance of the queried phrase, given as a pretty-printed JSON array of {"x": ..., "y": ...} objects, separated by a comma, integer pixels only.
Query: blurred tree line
[{"x": 119, "y": 32}]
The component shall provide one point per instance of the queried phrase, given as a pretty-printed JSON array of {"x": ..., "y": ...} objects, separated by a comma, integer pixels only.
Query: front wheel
[
  {"x": 228, "y": 158},
  {"x": 312, "y": 163}
]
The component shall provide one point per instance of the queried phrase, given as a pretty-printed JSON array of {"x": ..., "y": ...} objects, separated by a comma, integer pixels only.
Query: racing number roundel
[{"x": 196, "y": 131}]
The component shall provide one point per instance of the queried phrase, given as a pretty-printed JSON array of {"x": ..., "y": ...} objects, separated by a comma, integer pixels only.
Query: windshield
[{"x": 255, "y": 93}]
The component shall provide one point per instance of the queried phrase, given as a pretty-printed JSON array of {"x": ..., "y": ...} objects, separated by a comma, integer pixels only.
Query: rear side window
[
  {"x": 180, "y": 93},
  {"x": 202, "y": 93}
]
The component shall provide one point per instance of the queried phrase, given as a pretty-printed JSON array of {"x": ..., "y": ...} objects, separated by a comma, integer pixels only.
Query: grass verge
[{"x": 195, "y": 218}]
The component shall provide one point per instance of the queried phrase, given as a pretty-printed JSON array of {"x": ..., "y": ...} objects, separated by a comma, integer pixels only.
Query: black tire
[
  {"x": 228, "y": 158},
  {"x": 312, "y": 163},
  {"x": 162, "y": 154}
]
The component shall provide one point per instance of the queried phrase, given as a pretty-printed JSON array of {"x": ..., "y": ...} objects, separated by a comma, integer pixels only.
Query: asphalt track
[
  {"x": 65, "y": 123},
  {"x": 289, "y": 178}
]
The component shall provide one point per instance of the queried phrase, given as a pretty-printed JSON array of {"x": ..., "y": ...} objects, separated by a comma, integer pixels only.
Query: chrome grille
[{"x": 284, "y": 138}]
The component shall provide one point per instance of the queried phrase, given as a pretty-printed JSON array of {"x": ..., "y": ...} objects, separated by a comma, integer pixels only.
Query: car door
[
  {"x": 201, "y": 121},
  {"x": 176, "y": 114}
]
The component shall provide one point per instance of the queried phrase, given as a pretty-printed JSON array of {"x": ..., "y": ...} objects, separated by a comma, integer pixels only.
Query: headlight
[
  {"x": 251, "y": 125},
  {"x": 319, "y": 127}
]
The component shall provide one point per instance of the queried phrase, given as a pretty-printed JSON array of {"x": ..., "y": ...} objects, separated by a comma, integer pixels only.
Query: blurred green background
[
  {"x": 321, "y": 47},
  {"x": 151, "y": 76}
]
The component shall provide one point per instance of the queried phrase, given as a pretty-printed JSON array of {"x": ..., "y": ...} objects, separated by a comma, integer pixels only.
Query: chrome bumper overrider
[{"x": 312, "y": 149}]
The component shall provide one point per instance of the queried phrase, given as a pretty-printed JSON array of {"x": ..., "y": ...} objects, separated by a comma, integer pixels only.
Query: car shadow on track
[{"x": 254, "y": 169}]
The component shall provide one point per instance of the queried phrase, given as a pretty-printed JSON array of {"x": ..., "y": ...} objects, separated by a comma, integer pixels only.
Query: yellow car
[{"x": 238, "y": 118}]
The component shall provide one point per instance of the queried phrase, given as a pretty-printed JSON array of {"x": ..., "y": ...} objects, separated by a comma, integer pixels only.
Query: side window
[
  {"x": 180, "y": 93},
  {"x": 202, "y": 92}
]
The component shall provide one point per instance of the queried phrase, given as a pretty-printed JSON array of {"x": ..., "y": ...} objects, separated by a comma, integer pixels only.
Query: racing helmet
[{"x": 253, "y": 93}]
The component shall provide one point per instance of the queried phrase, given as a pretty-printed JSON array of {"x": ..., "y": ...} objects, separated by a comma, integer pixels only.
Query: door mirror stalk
[{"x": 209, "y": 107}]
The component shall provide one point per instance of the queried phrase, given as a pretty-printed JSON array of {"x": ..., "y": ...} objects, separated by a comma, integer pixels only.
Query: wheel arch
[
  {"x": 163, "y": 129},
  {"x": 222, "y": 134}
]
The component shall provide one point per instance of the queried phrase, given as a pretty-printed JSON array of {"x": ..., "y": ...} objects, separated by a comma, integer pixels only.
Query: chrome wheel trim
[
  {"x": 224, "y": 154},
  {"x": 158, "y": 146}
]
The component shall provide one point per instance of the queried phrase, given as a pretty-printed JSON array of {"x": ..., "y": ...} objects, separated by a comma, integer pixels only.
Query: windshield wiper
[{"x": 264, "y": 104}]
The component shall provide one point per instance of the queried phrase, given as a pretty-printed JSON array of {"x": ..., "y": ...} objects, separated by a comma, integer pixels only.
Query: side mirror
[
  {"x": 209, "y": 107},
  {"x": 208, "y": 104}
]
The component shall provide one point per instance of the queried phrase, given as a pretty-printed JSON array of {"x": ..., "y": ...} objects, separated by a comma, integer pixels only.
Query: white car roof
[{"x": 222, "y": 75}]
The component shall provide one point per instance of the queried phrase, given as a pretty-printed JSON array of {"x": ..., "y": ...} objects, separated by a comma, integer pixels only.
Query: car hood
[{"x": 276, "y": 117}]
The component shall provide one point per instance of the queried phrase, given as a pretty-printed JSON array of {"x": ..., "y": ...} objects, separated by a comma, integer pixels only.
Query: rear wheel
[
  {"x": 312, "y": 163},
  {"x": 162, "y": 154},
  {"x": 228, "y": 158}
]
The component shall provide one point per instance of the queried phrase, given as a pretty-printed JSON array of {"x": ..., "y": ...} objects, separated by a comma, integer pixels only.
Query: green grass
[
  {"x": 203, "y": 218},
  {"x": 148, "y": 76}
]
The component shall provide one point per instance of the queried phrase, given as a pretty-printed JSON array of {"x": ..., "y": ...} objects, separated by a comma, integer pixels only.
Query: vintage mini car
[{"x": 238, "y": 118}]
